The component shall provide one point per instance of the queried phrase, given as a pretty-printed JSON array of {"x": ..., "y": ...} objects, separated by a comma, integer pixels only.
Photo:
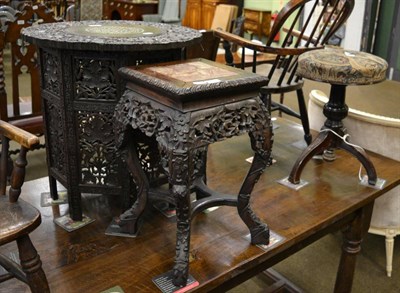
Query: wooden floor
[{"x": 87, "y": 260}]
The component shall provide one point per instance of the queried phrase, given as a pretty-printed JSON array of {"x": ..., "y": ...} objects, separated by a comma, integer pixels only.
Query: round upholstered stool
[{"x": 339, "y": 68}]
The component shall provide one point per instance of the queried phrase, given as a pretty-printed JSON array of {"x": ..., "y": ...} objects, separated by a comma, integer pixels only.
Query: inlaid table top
[
  {"x": 111, "y": 35},
  {"x": 181, "y": 81}
]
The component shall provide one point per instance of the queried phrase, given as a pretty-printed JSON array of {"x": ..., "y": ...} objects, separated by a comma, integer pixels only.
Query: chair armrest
[
  {"x": 21, "y": 136},
  {"x": 262, "y": 48}
]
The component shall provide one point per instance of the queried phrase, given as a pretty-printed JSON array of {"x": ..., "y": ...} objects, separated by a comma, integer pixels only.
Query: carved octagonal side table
[
  {"x": 80, "y": 88},
  {"x": 185, "y": 106}
]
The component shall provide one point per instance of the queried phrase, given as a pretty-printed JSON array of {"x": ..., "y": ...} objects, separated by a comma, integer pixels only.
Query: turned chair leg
[
  {"x": 389, "y": 243},
  {"x": 32, "y": 265},
  {"x": 304, "y": 116}
]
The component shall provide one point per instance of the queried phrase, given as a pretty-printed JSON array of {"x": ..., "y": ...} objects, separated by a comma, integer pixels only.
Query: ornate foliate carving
[
  {"x": 95, "y": 80},
  {"x": 183, "y": 139},
  {"x": 148, "y": 155},
  {"x": 169, "y": 127},
  {"x": 228, "y": 121},
  {"x": 51, "y": 73},
  {"x": 55, "y": 140},
  {"x": 98, "y": 155},
  {"x": 198, "y": 128}
]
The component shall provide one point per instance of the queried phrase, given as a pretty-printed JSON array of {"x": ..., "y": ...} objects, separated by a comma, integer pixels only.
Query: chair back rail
[
  {"x": 320, "y": 24},
  {"x": 23, "y": 60},
  {"x": 306, "y": 25},
  {"x": 312, "y": 34}
]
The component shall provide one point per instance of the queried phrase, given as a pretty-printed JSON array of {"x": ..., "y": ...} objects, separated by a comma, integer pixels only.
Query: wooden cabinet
[
  {"x": 193, "y": 14},
  {"x": 257, "y": 22},
  {"x": 200, "y": 13}
]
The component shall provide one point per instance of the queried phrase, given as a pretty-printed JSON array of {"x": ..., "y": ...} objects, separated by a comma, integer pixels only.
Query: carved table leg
[
  {"x": 53, "y": 187},
  {"x": 128, "y": 221},
  {"x": 180, "y": 174},
  {"x": 353, "y": 236},
  {"x": 261, "y": 141},
  {"x": 32, "y": 266}
]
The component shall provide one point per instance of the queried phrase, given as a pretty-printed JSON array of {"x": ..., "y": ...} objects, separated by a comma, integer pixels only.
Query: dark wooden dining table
[{"x": 221, "y": 255}]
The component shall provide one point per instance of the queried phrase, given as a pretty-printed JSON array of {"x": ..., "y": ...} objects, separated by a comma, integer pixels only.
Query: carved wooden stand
[
  {"x": 80, "y": 87},
  {"x": 184, "y": 118}
]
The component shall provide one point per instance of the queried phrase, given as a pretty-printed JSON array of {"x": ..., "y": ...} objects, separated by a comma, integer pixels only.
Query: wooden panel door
[{"x": 200, "y": 13}]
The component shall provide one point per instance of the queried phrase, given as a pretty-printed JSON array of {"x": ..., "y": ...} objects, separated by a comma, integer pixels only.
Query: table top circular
[{"x": 111, "y": 35}]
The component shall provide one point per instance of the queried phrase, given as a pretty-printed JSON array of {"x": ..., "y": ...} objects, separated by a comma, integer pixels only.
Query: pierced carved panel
[
  {"x": 192, "y": 132},
  {"x": 171, "y": 128},
  {"x": 98, "y": 156},
  {"x": 148, "y": 155},
  {"x": 175, "y": 130},
  {"x": 95, "y": 80},
  {"x": 228, "y": 121},
  {"x": 51, "y": 73},
  {"x": 55, "y": 137}
]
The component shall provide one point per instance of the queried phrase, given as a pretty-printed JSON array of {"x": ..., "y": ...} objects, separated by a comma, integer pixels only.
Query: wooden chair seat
[{"x": 16, "y": 219}]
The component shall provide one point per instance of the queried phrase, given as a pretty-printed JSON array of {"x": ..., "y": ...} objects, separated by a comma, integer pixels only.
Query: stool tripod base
[
  {"x": 380, "y": 183},
  {"x": 326, "y": 140}
]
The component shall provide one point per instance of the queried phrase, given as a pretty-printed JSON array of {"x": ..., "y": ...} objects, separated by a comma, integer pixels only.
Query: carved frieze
[{"x": 174, "y": 129}]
